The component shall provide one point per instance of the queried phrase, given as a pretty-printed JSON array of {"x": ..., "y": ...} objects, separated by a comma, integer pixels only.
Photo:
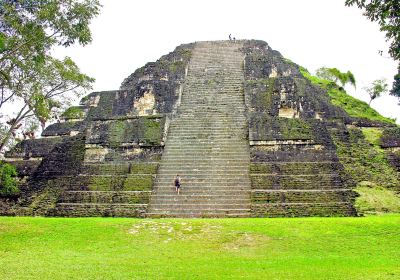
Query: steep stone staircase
[{"x": 206, "y": 143}]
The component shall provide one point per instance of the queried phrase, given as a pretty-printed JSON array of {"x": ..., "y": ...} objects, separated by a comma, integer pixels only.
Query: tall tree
[
  {"x": 334, "y": 75},
  {"x": 29, "y": 75},
  {"x": 387, "y": 14}
]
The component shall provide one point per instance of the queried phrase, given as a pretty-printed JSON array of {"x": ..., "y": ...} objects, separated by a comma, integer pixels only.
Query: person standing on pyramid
[{"x": 177, "y": 183}]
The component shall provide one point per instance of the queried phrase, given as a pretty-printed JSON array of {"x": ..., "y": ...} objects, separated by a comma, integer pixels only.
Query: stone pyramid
[{"x": 249, "y": 132}]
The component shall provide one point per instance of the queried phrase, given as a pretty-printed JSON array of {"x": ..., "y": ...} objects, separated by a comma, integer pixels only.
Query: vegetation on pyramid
[{"x": 251, "y": 134}]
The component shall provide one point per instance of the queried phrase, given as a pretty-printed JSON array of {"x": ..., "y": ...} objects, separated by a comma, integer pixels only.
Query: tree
[
  {"x": 8, "y": 181},
  {"x": 334, "y": 75},
  {"x": 377, "y": 88},
  {"x": 395, "y": 91},
  {"x": 29, "y": 75},
  {"x": 387, "y": 14}
]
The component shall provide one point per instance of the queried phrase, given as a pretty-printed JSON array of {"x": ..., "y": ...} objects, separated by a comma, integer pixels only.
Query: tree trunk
[
  {"x": 20, "y": 116},
  {"x": 6, "y": 138}
]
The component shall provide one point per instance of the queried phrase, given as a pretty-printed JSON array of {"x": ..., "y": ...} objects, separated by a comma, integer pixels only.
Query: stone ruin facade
[{"x": 249, "y": 134}]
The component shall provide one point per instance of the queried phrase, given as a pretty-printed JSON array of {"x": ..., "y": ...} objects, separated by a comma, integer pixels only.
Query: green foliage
[
  {"x": 29, "y": 75},
  {"x": 339, "y": 97},
  {"x": 395, "y": 91},
  {"x": 364, "y": 161},
  {"x": 376, "y": 89},
  {"x": 373, "y": 135},
  {"x": 8, "y": 180},
  {"x": 334, "y": 75},
  {"x": 355, "y": 107},
  {"x": 116, "y": 248},
  {"x": 74, "y": 112},
  {"x": 387, "y": 14},
  {"x": 374, "y": 199}
]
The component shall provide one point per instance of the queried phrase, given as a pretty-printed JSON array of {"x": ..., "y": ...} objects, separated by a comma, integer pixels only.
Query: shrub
[{"x": 8, "y": 180}]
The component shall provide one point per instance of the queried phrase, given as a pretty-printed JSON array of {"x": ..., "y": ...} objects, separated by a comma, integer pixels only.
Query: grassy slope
[
  {"x": 106, "y": 248},
  {"x": 353, "y": 106},
  {"x": 367, "y": 164},
  {"x": 374, "y": 200}
]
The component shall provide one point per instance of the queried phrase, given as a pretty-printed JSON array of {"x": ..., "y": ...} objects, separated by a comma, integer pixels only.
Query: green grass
[
  {"x": 353, "y": 106},
  {"x": 373, "y": 135},
  {"x": 107, "y": 248},
  {"x": 376, "y": 200}
]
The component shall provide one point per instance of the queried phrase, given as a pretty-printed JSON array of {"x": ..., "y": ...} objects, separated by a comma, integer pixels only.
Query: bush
[{"x": 8, "y": 180}]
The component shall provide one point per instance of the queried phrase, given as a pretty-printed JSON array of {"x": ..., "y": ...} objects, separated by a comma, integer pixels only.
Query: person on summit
[
  {"x": 177, "y": 183},
  {"x": 230, "y": 38}
]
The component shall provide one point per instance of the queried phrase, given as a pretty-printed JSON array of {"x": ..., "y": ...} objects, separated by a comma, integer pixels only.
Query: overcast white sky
[{"x": 312, "y": 33}]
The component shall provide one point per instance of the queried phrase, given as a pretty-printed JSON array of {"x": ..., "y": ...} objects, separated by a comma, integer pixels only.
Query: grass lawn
[{"x": 118, "y": 248}]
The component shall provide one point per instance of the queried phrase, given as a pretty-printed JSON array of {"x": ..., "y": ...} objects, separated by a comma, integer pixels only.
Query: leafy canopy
[
  {"x": 387, "y": 14},
  {"x": 29, "y": 29},
  {"x": 334, "y": 75}
]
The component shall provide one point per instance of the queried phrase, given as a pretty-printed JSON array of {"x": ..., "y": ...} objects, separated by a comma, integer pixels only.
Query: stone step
[
  {"x": 192, "y": 172},
  {"x": 205, "y": 191},
  {"x": 202, "y": 180},
  {"x": 197, "y": 206},
  {"x": 188, "y": 147},
  {"x": 192, "y": 188},
  {"x": 294, "y": 181},
  {"x": 205, "y": 203},
  {"x": 99, "y": 210},
  {"x": 295, "y": 168},
  {"x": 199, "y": 214},
  {"x": 186, "y": 197},
  {"x": 301, "y": 196},
  {"x": 111, "y": 197},
  {"x": 119, "y": 168},
  {"x": 201, "y": 137},
  {"x": 193, "y": 167},
  {"x": 302, "y": 209},
  {"x": 201, "y": 154},
  {"x": 184, "y": 161}
]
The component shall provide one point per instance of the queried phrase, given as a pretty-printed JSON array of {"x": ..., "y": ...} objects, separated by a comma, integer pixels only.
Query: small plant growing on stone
[
  {"x": 376, "y": 89},
  {"x": 8, "y": 180}
]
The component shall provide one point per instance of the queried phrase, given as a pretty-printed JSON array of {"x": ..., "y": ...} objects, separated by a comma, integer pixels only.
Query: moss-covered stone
[
  {"x": 74, "y": 112},
  {"x": 34, "y": 147},
  {"x": 138, "y": 182},
  {"x": 144, "y": 131},
  {"x": 143, "y": 168},
  {"x": 390, "y": 137},
  {"x": 264, "y": 128},
  {"x": 363, "y": 161}
]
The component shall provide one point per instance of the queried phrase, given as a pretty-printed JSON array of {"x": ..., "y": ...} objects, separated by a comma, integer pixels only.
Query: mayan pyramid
[{"x": 248, "y": 131}]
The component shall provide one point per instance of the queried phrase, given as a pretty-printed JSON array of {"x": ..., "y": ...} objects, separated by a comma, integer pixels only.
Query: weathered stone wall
[
  {"x": 294, "y": 168},
  {"x": 102, "y": 158}
]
